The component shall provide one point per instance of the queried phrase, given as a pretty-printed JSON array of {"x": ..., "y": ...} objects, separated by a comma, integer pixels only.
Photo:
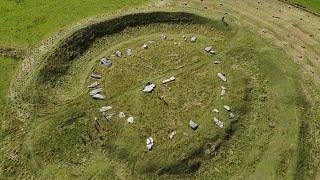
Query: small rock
[
  {"x": 93, "y": 85},
  {"x": 222, "y": 77},
  {"x": 193, "y": 125},
  {"x": 105, "y": 108},
  {"x": 130, "y": 120},
  {"x": 96, "y": 91},
  {"x": 208, "y": 49},
  {"x": 216, "y": 62},
  {"x": 223, "y": 92},
  {"x": 231, "y": 115},
  {"x": 212, "y": 52},
  {"x": 164, "y": 37},
  {"x": 149, "y": 88},
  {"x": 98, "y": 97},
  {"x": 216, "y": 110},
  {"x": 218, "y": 122},
  {"x": 118, "y": 54},
  {"x": 227, "y": 108},
  {"x": 122, "y": 115},
  {"x": 272, "y": 125},
  {"x": 185, "y": 38},
  {"x": 96, "y": 76},
  {"x": 106, "y": 62},
  {"x": 149, "y": 143},
  {"x": 193, "y": 39},
  {"x": 172, "y": 134},
  {"x": 129, "y": 52},
  {"x": 169, "y": 80},
  {"x": 145, "y": 46},
  {"x": 223, "y": 87}
]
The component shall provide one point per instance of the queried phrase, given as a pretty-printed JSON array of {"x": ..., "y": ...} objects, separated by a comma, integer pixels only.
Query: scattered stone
[
  {"x": 223, "y": 87},
  {"x": 130, "y": 120},
  {"x": 122, "y": 115},
  {"x": 216, "y": 62},
  {"x": 231, "y": 115},
  {"x": 175, "y": 43},
  {"x": 185, "y": 38},
  {"x": 193, "y": 39},
  {"x": 107, "y": 117},
  {"x": 149, "y": 143},
  {"x": 218, "y": 122},
  {"x": 228, "y": 108},
  {"x": 149, "y": 88},
  {"x": 222, "y": 77},
  {"x": 212, "y": 52},
  {"x": 172, "y": 134},
  {"x": 96, "y": 76},
  {"x": 105, "y": 108},
  {"x": 216, "y": 110},
  {"x": 96, "y": 91},
  {"x": 118, "y": 54},
  {"x": 145, "y": 46},
  {"x": 129, "y": 52},
  {"x": 169, "y": 80},
  {"x": 98, "y": 97},
  {"x": 208, "y": 49},
  {"x": 193, "y": 125},
  {"x": 151, "y": 42},
  {"x": 106, "y": 62},
  {"x": 164, "y": 37},
  {"x": 272, "y": 125},
  {"x": 223, "y": 92},
  {"x": 93, "y": 85}
]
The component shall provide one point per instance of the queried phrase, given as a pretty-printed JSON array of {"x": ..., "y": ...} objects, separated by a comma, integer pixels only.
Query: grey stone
[
  {"x": 222, "y": 77},
  {"x": 129, "y": 52},
  {"x": 223, "y": 92},
  {"x": 130, "y": 120},
  {"x": 105, "y": 108},
  {"x": 208, "y": 49},
  {"x": 149, "y": 88},
  {"x": 96, "y": 76},
  {"x": 106, "y": 62},
  {"x": 118, "y": 54},
  {"x": 98, "y": 97},
  {"x": 193, "y": 39},
  {"x": 172, "y": 134},
  {"x": 193, "y": 125},
  {"x": 218, "y": 122},
  {"x": 164, "y": 37},
  {"x": 216, "y": 62},
  {"x": 94, "y": 85},
  {"x": 145, "y": 46},
  {"x": 228, "y": 108},
  {"x": 96, "y": 91},
  {"x": 149, "y": 143},
  {"x": 168, "y": 80},
  {"x": 122, "y": 115}
]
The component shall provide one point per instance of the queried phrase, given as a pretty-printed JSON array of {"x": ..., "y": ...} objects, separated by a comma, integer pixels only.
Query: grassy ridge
[{"x": 26, "y": 22}]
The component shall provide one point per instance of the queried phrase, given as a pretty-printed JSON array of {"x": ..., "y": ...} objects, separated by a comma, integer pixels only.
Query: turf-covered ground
[
  {"x": 273, "y": 88},
  {"x": 312, "y": 4}
]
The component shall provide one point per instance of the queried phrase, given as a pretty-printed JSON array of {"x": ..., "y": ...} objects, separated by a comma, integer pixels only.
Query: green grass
[
  {"x": 27, "y": 22},
  {"x": 7, "y": 71},
  {"x": 311, "y": 4}
]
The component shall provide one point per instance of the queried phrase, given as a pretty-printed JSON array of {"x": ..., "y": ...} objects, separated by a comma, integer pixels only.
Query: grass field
[
  {"x": 48, "y": 129},
  {"x": 312, "y": 4},
  {"x": 26, "y": 23}
]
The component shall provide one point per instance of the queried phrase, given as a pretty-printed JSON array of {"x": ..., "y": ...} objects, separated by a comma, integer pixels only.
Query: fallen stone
[
  {"x": 216, "y": 110},
  {"x": 96, "y": 76},
  {"x": 118, "y": 54},
  {"x": 96, "y": 91},
  {"x": 223, "y": 87},
  {"x": 212, "y": 52},
  {"x": 145, "y": 46},
  {"x": 130, "y": 120},
  {"x": 164, "y": 37},
  {"x": 185, "y": 38},
  {"x": 122, "y": 115},
  {"x": 105, "y": 108},
  {"x": 151, "y": 42},
  {"x": 94, "y": 85},
  {"x": 106, "y": 62},
  {"x": 169, "y": 80},
  {"x": 223, "y": 92},
  {"x": 218, "y": 122},
  {"x": 222, "y": 77},
  {"x": 98, "y": 97},
  {"x": 208, "y": 49},
  {"x": 149, "y": 88},
  {"x": 228, "y": 108},
  {"x": 231, "y": 115},
  {"x": 149, "y": 143},
  {"x": 216, "y": 62},
  {"x": 193, "y": 39},
  {"x": 193, "y": 125},
  {"x": 129, "y": 52},
  {"x": 172, "y": 134}
]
